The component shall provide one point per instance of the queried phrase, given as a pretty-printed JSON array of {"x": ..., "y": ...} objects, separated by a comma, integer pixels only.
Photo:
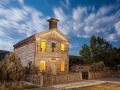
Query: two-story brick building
[{"x": 47, "y": 50}]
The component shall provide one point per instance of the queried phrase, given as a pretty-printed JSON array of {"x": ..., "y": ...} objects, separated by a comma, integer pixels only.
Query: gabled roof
[
  {"x": 42, "y": 33},
  {"x": 23, "y": 41},
  {"x": 51, "y": 30}
]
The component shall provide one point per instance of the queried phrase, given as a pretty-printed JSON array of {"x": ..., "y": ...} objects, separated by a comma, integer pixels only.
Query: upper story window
[
  {"x": 43, "y": 46},
  {"x": 62, "y": 48},
  {"x": 53, "y": 46}
]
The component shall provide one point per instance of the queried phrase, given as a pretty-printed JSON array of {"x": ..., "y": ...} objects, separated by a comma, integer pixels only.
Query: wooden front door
[{"x": 53, "y": 67}]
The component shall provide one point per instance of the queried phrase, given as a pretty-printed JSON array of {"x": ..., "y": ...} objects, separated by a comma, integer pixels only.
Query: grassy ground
[
  {"x": 105, "y": 86},
  {"x": 23, "y": 87}
]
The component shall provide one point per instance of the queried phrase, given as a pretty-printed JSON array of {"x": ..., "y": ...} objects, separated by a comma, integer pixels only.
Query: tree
[
  {"x": 11, "y": 68},
  {"x": 85, "y": 53},
  {"x": 100, "y": 50}
]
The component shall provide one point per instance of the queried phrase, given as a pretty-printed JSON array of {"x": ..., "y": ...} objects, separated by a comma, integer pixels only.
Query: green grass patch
[{"x": 26, "y": 86}]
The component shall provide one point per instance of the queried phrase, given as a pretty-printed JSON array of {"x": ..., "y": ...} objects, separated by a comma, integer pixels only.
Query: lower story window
[
  {"x": 62, "y": 65},
  {"x": 42, "y": 66}
]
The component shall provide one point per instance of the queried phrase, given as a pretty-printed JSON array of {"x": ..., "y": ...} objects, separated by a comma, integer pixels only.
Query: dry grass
[
  {"x": 23, "y": 87},
  {"x": 105, "y": 86}
]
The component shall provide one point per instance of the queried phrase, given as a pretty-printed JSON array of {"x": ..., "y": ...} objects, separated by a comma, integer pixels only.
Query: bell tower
[{"x": 52, "y": 23}]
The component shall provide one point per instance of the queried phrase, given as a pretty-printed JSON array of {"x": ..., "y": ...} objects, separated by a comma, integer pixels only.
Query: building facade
[
  {"x": 47, "y": 50},
  {"x": 80, "y": 68}
]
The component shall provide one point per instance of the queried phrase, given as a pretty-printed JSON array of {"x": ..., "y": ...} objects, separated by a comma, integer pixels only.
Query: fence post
[
  {"x": 88, "y": 75},
  {"x": 80, "y": 73},
  {"x": 41, "y": 80},
  {"x": 52, "y": 79}
]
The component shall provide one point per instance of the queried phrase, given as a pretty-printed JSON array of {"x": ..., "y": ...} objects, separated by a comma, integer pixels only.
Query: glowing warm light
[
  {"x": 43, "y": 46},
  {"x": 42, "y": 66},
  {"x": 62, "y": 47},
  {"x": 62, "y": 66}
]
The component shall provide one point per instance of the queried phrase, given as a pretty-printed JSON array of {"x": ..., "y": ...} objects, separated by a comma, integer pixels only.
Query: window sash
[
  {"x": 43, "y": 46},
  {"x": 62, "y": 66},
  {"x": 42, "y": 66},
  {"x": 62, "y": 47},
  {"x": 53, "y": 45}
]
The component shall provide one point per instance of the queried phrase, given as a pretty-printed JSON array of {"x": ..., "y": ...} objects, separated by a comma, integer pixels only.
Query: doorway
[
  {"x": 84, "y": 75},
  {"x": 53, "y": 67}
]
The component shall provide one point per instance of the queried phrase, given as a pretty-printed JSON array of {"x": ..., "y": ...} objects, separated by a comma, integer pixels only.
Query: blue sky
[{"x": 79, "y": 20}]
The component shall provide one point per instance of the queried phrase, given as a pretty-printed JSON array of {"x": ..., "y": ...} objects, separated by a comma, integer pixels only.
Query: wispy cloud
[
  {"x": 65, "y": 4},
  {"x": 74, "y": 45},
  {"x": 82, "y": 21},
  {"x": 19, "y": 22},
  {"x": 3, "y": 2},
  {"x": 22, "y": 20},
  {"x": 6, "y": 44},
  {"x": 85, "y": 21},
  {"x": 21, "y": 1},
  {"x": 79, "y": 13}
]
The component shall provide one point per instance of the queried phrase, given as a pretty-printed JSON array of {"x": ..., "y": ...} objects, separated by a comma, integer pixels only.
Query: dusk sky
[{"x": 79, "y": 20}]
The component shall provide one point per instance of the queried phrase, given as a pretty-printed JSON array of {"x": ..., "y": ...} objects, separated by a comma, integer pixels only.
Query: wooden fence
[
  {"x": 60, "y": 79},
  {"x": 48, "y": 80},
  {"x": 115, "y": 74},
  {"x": 35, "y": 79},
  {"x": 97, "y": 75}
]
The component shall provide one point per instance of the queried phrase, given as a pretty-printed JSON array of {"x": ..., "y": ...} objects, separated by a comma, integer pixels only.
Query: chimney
[{"x": 52, "y": 23}]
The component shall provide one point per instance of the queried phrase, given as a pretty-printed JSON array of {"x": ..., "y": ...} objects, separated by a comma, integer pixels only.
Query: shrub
[
  {"x": 99, "y": 66},
  {"x": 11, "y": 68},
  {"x": 31, "y": 70}
]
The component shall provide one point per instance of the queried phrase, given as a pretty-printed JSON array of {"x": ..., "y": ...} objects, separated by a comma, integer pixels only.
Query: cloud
[
  {"x": 117, "y": 27},
  {"x": 65, "y": 4},
  {"x": 114, "y": 36},
  {"x": 6, "y": 44},
  {"x": 59, "y": 14},
  {"x": 100, "y": 23},
  {"x": 64, "y": 25},
  {"x": 87, "y": 21},
  {"x": 3, "y": 2},
  {"x": 78, "y": 13},
  {"x": 82, "y": 21},
  {"x": 73, "y": 45},
  {"x": 19, "y": 23},
  {"x": 21, "y": 1},
  {"x": 22, "y": 20}
]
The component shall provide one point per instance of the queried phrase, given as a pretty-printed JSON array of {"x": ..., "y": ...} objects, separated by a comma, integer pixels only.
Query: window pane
[
  {"x": 43, "y": 46},
  {"x": 42, "y": 66},
  {"x": 62, "y": 66},
  {"x": 62, "y": 47},
  {"x": 53, "y": 45}
]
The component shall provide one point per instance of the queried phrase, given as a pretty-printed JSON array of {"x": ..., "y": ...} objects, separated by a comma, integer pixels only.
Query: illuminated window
[
  {"x": 43, "y": 46},
  {"x": 53, "y": 46},
  {"x": 62, "y": 65},
  {"x": 42, "y": 66},
  {"x": 62, "y": 48}
]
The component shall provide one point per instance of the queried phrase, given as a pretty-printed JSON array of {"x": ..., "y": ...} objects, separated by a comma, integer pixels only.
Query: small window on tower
[
  {"x": 62, "y": 48},
  {"x": 43, "y": 46},
  {"x": 53, "y": 46}
]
